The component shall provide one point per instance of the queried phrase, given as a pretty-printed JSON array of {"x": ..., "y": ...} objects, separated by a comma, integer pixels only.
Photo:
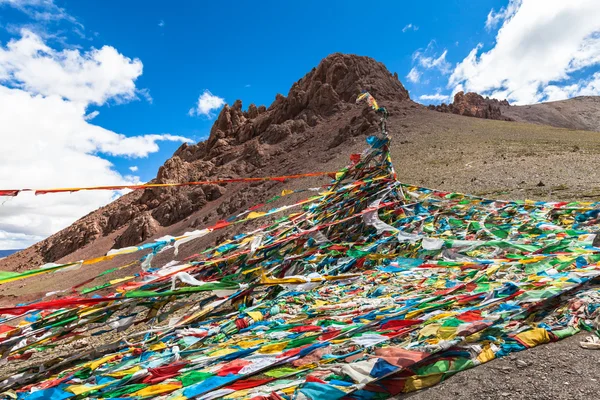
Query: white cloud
[
  {"x": 409, "y": 27},
  {"x": 585, "y": 87},
  {"x": 207, "y": 102},
  {"x": 539, "y": 46},
  {"x": 414, "y": 75},
  {"x": 91, "y": 77},
  {"x": 44, "y": 14},
  {"x": 431, "y": 62},
  {"x": 133, "y": 168},
  {"x": 49, "y": 141},
  {"x": 16, "y": 241},
  {"x": 428, "y": 58},
  {"x": 438, "y": 97},
  {"x": 161, "y": 23},
  {"x": 494, "y": 18},
  {"x": 457, "y": 88},
  {"x": 41, "y": 10},
  {"x": 134, "y": 146}
]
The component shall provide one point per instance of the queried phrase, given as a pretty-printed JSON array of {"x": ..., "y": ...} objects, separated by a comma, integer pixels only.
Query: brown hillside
[{"x": 577, "y": 113}]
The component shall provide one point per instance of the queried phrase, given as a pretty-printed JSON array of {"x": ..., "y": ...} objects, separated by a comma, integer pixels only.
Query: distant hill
[
  {"x": 6, "y": 253},
  {"x": 581, "y": 113}
]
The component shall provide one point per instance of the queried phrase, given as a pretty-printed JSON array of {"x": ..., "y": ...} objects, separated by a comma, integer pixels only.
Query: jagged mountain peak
[
  {"x": 338, "y": 79},
  {"x": 350, "y": 74}
]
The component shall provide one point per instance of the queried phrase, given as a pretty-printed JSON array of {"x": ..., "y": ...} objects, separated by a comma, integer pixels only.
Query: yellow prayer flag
[
  {"x": 273, "y": 348},
  {"x": 255, "y": 214},
  {"x": 158, "y": 346},
  {"x": 486, "y": 355},
  {"x": 95, "y": 364},
  {"x": 79, "y": 389},
  {"x": 417, "y": 383},
  {"x": 157, "y": 389},
  {"x": 125, "y": 372},
  {"x": 222, "y": 352},
  {"x": 255, "y": 315},
  {"x": 246, "y": 344},
  {"x": 533, "y": 337}
]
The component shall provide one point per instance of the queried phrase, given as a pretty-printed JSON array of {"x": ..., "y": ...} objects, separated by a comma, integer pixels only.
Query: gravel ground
[{"x": 561, "y": 370}]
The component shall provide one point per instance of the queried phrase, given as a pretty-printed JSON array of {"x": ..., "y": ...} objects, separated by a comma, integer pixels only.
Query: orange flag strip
[{"x": 15, "y": 192}]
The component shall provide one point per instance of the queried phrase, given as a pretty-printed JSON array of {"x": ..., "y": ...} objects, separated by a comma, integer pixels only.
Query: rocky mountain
[
  {"x": 474, "y": 105},
  {"x": 256, "y": 141}
]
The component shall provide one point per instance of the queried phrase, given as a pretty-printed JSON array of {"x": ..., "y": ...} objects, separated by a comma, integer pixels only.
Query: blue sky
[{"x": 100, "y": 92}]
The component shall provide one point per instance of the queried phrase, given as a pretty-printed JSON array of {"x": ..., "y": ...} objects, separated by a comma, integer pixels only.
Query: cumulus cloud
[
  {"x": 15, "y": 241},
  {"x": 48, "y": 139},
  {"x": 89, "y": 78},
  {"x": 584, "y": 87},
  {"x": 134, "y": 146},
  {"x": 207, "y": 102},
  {"x": 414, "y": 75},
  {"x": 540, "y": 45},
  {"x": 133, "y": 168},
  {"x": 438, "y": 97}
]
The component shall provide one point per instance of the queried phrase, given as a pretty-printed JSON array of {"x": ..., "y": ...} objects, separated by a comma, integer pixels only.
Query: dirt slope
[{"x": 577, "y": 113}]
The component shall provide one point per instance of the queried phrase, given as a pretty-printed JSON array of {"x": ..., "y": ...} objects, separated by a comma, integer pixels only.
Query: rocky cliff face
[
  {"x": 474, "y": 105},
  {"x": 240, "y": 143}
]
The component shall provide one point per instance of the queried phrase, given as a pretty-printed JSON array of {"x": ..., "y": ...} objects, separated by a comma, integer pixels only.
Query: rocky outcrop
[
  {"x": 338, "y": 79},
  {"x": 240, "y": 142},
  {"x": 367, "y": 123},
  {"x": 474, "y": 105},
  {"x": 79, "y": 234},
  {"x": 141, "y": 228}
]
